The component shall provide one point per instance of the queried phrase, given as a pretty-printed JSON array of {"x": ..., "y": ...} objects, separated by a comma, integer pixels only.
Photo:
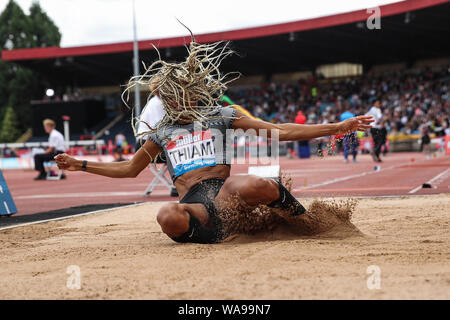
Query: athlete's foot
[
  {"x": 346, "y": 160},
  {"x": 355, "y": 160},
  {"x": 286, "y": 204},
  {"x": 293, "y": 209}
]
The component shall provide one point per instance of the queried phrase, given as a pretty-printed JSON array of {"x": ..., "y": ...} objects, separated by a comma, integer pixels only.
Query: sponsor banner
[
  {"x": 191, "y": 151},
  {"x": 9, "y": 163}
]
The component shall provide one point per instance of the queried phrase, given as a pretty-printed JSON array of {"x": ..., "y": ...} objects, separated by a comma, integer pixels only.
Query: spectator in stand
[
  {"x": 409, "y": 98},
  {"x": 55, "y": 146}
]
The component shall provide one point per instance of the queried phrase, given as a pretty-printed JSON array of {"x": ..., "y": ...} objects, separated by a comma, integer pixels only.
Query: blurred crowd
[{"x": 412, "y": 101}]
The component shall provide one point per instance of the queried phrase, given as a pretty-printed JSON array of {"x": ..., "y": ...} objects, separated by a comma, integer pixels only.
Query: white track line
[
  {"x": 354, "y": 176},
  {"x": 90, "y": 194},
  {"x": 73, "y": 216},
  {"x": 443, "y": 173},
  {"x": 362, "y": 174}
]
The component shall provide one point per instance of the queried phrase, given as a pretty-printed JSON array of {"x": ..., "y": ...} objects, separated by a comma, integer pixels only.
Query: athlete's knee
[
  {"x": 173, "y": 219},
  {"x": 260, "y": 190},
  {"x": 263, "y": 186}
]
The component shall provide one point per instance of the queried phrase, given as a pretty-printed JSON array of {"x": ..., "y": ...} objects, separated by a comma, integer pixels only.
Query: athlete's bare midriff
[{"x": 191, "y": 178}]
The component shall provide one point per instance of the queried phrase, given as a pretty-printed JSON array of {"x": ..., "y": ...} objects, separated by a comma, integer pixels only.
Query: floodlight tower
[{"x": 137, "y": 89}]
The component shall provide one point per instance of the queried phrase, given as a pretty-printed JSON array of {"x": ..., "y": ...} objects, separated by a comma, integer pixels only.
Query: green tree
[
  {"x": 15, "y": 28},
  {"x": 45, "y": 32},
  {"x": 10, "y": 130},
  {"x": 15, "y": 31},
  {"x": 19, "y": 85}
]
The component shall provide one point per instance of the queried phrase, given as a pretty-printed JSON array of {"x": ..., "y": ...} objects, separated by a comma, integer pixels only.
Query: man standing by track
[{"x": 378, "y": 135}]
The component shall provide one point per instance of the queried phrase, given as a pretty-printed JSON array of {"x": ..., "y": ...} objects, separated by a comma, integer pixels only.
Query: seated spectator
[{"x": 55, "y": 147}]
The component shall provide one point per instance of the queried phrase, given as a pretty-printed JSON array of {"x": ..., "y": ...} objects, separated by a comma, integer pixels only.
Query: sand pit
[{"x": 122, "y": 254}]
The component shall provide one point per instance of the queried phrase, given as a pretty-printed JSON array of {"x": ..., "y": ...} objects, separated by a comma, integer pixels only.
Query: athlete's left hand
[{"x": 360, "y": 123}]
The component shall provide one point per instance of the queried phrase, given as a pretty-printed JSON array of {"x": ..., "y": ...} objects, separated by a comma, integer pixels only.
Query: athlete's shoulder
[{"x": 228, "y": 110}]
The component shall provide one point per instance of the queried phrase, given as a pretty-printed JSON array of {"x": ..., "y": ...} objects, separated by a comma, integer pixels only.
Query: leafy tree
[
  {"x": 45, "y": 33},
  {"x": 14, "y": 33},
  {"x": 15, "y": 28},
  {"x": 10, "y": 130},
  {"x": 19, "y": 85}
]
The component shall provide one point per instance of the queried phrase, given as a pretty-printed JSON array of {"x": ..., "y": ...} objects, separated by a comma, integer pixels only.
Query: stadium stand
[
  {"x": 386, "y": 64},
  {"x": 412, "y": 99}
]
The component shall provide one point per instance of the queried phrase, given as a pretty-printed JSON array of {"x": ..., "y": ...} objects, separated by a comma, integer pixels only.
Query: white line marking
[
  {"x": 415, "y": 189},
  {"x": 90, "y": 194},
  {"x": 6, "y": 207},
  {"x": 443, "y": 173},
  {"x": 362, "y": 174},
  {"x": 291, "y": 171},
  {"x": 353, "y": 176},
  {"x": 73, "y": 216},
  {"x": 85, "y": 214}
]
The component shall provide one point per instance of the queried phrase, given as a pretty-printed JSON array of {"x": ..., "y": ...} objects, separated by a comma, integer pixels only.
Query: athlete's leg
[
  {"x": 354, "y": 145},
  {"x": 346, "y": 143},
  {"x": 190, "y": 221},
  {"x": 250, "y": 191},
  {"x": 377, "y": 140}
]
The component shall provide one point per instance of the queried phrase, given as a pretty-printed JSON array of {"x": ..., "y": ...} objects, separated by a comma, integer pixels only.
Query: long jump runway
[{"x": 401, "y": 252}]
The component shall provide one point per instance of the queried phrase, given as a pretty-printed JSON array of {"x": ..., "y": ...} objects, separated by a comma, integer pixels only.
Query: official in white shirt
[
  {"x": 377, "y": 132},
  {"x": 56, "y": 146}
]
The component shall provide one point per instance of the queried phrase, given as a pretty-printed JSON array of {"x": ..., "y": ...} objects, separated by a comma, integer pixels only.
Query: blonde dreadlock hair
[{"x": 189, "y": 90}]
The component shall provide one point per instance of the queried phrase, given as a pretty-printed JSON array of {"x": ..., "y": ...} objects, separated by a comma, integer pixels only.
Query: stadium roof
[{"x": 410, "y": 30}]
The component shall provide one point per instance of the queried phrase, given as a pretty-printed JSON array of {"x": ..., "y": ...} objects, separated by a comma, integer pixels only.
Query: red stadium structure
[
  {"x": 285, "y": 47},
  {"x": 410, "y": 31}
]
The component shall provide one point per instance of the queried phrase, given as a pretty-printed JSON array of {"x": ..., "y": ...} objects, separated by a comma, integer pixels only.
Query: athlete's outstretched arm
[
  {"x": 124, "y": 169},
  {"x": 294, "y": 132}
]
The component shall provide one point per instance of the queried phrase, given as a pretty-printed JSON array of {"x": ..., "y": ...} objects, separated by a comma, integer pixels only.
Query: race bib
[{"x": 191, "y": 151}]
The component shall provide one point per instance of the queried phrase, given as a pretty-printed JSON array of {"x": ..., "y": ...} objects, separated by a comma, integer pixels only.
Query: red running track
[{"x": 399, "y": 174}]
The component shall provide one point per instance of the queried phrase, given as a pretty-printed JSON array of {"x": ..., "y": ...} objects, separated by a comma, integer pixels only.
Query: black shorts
[{"x": 205, "y": 192}]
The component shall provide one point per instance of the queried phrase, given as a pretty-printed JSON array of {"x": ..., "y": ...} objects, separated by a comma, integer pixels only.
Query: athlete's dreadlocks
[{"x": 189, "y": 90}]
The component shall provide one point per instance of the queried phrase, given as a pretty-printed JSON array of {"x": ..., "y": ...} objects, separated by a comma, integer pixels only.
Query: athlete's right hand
[{"x": 66, "y": 162}]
